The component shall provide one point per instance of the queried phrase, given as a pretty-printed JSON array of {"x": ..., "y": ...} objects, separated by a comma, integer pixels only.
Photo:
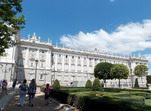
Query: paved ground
[{"x": 39, "y": 104}]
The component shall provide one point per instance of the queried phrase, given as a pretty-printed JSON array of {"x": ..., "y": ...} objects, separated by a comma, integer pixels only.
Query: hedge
[
  {"x": 119, "y": 90},
  {"x": 86, "y": 101}
]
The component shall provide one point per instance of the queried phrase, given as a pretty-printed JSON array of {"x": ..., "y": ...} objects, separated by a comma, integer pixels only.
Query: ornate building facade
[{"x": 32, "y": 58}]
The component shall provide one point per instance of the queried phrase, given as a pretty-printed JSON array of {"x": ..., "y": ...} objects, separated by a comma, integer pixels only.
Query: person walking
[
  {"x": 1, "y": 86},
  {"x": 4, "y": 87},
  {"x": 23, "y": 88},
  {"x": 47, "y": 91},
  {"x": 1, "y": 83},
  {"x": 14, "y": 84},
  {"x": 32, "y": 92}
]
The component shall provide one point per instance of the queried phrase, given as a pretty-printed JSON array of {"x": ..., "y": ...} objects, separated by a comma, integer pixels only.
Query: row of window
[
  {"x": 23, "y": 50},
  {"x": 66, "y": 56},
  {"x": 59, "y": 77}
]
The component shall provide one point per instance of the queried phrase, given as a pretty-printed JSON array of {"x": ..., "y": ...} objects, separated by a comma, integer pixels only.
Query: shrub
[
  {"x": 56, "y": 85},
  {"x": 96, "y": 85},
  {"x": 88, "y": 84},
  {"x": 136, "y": 83},
  {"x": 132, "y": 99}
]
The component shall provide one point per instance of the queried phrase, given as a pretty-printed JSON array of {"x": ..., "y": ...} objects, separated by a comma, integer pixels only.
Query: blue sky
[{"x": 116, "y": 26}]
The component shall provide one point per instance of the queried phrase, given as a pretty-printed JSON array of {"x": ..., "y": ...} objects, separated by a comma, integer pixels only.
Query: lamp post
[
  {"x": 5, "y": 72},
  {"x": 36, "y": 61},
  {"x": 12, "y": 72}
]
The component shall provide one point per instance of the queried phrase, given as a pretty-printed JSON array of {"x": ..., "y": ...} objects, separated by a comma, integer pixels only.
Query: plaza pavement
[{"x": 10, "y": 102}]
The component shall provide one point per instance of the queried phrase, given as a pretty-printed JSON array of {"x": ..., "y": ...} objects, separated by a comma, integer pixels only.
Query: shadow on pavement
[{"x": 39, "y": 104}]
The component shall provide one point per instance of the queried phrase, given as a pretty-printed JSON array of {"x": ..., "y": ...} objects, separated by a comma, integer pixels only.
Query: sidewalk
[
  {"x": 6, "y": 98},
  {"x": 39, "y": 104}
]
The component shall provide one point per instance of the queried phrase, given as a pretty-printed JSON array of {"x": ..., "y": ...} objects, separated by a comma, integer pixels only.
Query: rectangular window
[
  {"x": 65, "y": 78},
  {"x": 33, "y": 50},
  {"x": 41, "y": 77},
  {"x": 31, "y": 64},
  {"x": 31, "y": 76},
  {"x": 42, "y": 64}
]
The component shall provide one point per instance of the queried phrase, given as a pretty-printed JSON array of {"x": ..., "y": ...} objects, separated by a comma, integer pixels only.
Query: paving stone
[{"x": 39, "y": 104}]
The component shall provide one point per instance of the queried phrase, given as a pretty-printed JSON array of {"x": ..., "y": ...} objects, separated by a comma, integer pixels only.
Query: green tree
[
  {"x": 120, "y": 71},
  {"x": 56, "y": 85},
  {"x": 148, "y": 78},
  {"x": 88, "y": 84},
  {"x": 96, "y": 85},
  {"x": 136, "y": 83},
  {"x": 141, "y": 70},
  {"x": 102, "y": 71},
  {"x": 11, "y": 21}
]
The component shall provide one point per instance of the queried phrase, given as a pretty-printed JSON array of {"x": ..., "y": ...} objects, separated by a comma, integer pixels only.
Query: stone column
[
  {"x": 63, "y": 61},
  {"x": 70, "y": 63},
  {"x": 76, "y": 63},
  {"x": 27, "y": 58},
  {"x": 82, "y": 60}
]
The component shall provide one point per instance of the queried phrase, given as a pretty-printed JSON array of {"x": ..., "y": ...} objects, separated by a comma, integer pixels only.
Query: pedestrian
[
  {"x": 4, "y": 87},
  {"x": 14, "y": 84},
  {"x": 23, "y": 88},
  {"x": 32, "y": 92},
  {"x": 1, "y": 86},
  {"x": 1, "y": 83},
  {"x": 47, "y": 91}
]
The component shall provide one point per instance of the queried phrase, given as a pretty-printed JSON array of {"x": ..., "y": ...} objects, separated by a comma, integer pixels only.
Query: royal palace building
[{"x": 32, "y": 58}]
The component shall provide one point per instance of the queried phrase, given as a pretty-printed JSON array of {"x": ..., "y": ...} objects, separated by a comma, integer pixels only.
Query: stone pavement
[
  {"x": 5, "y": 99},
  {"x": 10, "y": 102},
  {"x": 39, "y": 104}
]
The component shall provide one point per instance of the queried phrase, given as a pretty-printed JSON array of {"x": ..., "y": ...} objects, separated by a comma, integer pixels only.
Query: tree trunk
[
  {"x": 119, "y": 83},
  {"x": 104, "y": 83},
  {"x": 142, "y": 81}
]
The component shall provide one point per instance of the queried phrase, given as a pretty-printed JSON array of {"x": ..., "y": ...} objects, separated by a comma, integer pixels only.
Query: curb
[{"x": 61, "y": 106}]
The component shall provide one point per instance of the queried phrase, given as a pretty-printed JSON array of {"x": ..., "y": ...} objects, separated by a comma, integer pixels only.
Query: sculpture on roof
[
  {"x": 28, "y": 36},
  {"x": 34, "y": 36}
]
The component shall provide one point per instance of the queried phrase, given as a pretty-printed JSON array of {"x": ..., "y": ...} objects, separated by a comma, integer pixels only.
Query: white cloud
[
  {"x": 112, "y": 0},
  {"x": 125, "y": 39}
]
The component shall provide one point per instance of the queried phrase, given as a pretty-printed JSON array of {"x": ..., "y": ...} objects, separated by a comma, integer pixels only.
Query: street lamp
[{"x": 36, "y": 61}]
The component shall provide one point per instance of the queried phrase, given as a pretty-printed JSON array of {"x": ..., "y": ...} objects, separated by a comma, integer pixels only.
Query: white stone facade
[{"x": 66, "y": 65}]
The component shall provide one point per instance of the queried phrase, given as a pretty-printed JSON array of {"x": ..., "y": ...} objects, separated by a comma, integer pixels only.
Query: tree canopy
[
  {"x": 140, "y": 70},
  {"x": 11, "y": 21},
  {"x": 102, "y": 70},
  {"x": 120, "y": 71}
]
